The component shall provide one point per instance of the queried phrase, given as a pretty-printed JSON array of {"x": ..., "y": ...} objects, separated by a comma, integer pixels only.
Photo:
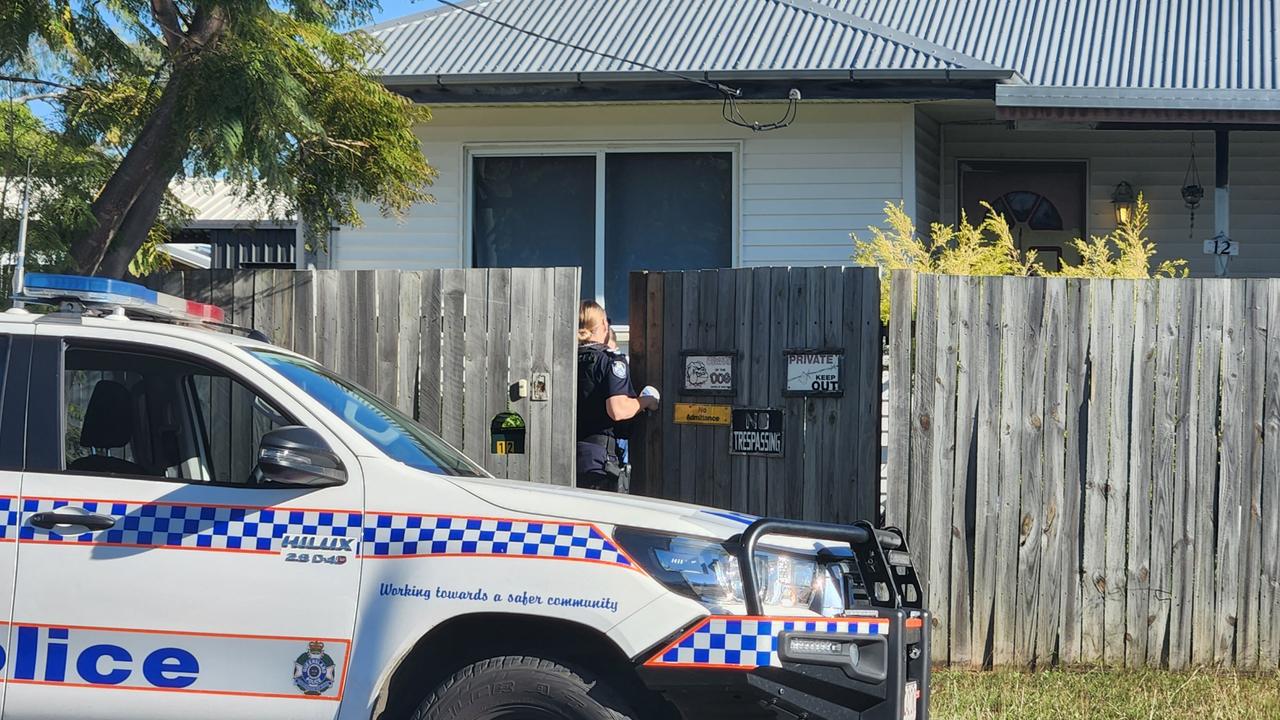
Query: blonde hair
[{"x": 590, "y": 314}]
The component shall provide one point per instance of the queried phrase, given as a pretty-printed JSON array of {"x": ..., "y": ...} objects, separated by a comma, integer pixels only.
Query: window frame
[
  {"x": 599, "y": 150},
  {"x": 189, "y": 410}
]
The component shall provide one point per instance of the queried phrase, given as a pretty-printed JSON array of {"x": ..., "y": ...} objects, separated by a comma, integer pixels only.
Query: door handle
[{"x": 71, "y": 517}]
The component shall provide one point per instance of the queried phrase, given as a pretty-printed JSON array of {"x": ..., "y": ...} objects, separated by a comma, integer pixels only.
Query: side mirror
[{"x": 297, "y": 455}]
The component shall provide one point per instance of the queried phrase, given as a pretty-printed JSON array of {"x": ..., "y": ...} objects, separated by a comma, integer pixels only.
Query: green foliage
[
  {"x": 275, "y": 98},
  {"x": 983, "y": 249},
  {"x": 988, "y": 248},
  {"x": 1126, "y": 252},
  {"x": 294, "y": 120},
  {"x": 66, "y": 173},
  {"x": 149, "y": 258},
  {"x": 65, "y": 176}
]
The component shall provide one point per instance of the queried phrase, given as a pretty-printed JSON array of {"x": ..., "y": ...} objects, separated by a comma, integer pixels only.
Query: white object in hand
[{"x": 651, "y": 391}]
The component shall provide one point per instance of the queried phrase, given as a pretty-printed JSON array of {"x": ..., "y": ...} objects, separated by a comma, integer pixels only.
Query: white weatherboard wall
[
  {"x": 801, "y": 189},
  {"x": 1155, "y": 163}
]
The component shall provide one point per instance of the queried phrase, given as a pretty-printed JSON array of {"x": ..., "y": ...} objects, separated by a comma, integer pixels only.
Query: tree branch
[
  {"x": 166, "y": 14},
  {"x": 38, "y": 96},
  {"x": 208, "y": 26},
  {"x": 37, "y": 81}
]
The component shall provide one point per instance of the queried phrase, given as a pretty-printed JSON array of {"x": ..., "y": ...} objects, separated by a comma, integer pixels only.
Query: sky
[{"x": 392, "y": 9}]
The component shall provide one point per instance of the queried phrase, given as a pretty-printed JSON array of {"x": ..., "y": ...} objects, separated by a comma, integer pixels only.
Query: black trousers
[{"x": 597, "y": 481}]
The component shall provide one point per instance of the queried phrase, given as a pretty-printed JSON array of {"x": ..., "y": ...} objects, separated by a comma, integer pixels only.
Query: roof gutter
[
  {"x": 1172, "y": 99},
  {"x": 722, "y": 76}
]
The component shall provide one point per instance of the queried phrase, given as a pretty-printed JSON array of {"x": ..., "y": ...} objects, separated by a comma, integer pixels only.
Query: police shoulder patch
[{"x": 619, "y": 369}]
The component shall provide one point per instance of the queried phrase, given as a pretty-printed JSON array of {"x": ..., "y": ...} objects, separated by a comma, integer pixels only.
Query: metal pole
[
  {"x": 19, "y": 269},
  {"x": 1221, "y": 196}
]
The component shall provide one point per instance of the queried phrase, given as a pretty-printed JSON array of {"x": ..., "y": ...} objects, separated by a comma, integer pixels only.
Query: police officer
[{"x": 606, "y": 398}]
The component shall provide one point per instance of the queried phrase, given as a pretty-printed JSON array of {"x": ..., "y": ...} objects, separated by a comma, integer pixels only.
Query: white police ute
[{"x": 196, "y": 524}]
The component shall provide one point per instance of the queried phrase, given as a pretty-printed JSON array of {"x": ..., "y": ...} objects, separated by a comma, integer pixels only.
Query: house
[
  {"x": 227, "y": 231},
  {"x": 223, "y": 231},
  {"x": 597, "y": 132}
]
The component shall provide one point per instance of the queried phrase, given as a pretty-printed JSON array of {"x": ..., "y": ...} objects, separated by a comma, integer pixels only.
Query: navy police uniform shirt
[{"x": 600, "y": 377}]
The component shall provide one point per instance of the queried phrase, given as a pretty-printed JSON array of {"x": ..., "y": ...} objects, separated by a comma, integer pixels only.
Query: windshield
[{"x": 399, "y": 437}]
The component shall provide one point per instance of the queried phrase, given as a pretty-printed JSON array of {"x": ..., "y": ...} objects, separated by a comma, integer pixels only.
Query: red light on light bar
[{"x": 204, "y": 311}]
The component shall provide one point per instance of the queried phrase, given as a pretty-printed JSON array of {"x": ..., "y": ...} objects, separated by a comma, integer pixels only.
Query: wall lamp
[{"x": 1123, "y": 198}]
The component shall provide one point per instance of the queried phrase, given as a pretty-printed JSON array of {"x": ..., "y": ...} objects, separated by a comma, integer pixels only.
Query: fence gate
[
  {"x": 444, "y": 346},
  {"x": 1087, "y": 468},
  {"x": 770, "y": 379}
]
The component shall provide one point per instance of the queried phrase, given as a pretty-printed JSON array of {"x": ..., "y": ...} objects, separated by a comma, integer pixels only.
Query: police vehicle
[{"x": 197, "y": 524}]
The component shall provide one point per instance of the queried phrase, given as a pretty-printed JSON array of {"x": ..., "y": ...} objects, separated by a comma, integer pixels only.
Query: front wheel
[{"x": 521, "y": 688}]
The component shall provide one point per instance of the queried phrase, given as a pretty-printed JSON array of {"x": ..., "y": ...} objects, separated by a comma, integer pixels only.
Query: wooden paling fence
[
  {"x": 444, "y": 346},
  {"x": 1089, "y": 470},
  {"x": 829, "y": 467}
]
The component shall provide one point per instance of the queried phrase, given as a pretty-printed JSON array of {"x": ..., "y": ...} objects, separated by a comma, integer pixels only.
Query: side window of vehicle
[
  {"x": 129, "y": 412},
  {"x": 231, "y": 420},
  {"x": 11, "y": 415},
  {"x": 104, "y": 438}
]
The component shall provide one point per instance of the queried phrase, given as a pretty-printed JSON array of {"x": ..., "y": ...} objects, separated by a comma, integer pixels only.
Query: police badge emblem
[{"x": 313, "y": 671}]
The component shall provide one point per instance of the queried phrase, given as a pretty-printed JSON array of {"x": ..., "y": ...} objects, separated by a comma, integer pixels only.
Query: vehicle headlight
[{"x": 704, "y": 570}]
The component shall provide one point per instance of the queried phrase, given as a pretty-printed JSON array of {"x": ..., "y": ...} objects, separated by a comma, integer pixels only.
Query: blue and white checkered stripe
[
  {"x": 9, "y": 518},
  {"x": 392, "y": 536},
  {"x": 195, "y": 527},
  {"x": 729, "y": 642},
  {"x": 260, "y": 530}
]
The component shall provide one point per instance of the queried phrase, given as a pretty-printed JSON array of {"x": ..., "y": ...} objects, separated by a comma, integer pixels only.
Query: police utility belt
[
  {"x": 612, "y": 462},
  {"x": 608, "y": 442}
]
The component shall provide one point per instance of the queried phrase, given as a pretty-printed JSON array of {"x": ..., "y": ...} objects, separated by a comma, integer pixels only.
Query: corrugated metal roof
[
  {"x": 1188, "y": 44},
  {"x": 216, "y": 204},
  {"x": 1205, "y": 45},
  {"x": 677, "y": 35}
]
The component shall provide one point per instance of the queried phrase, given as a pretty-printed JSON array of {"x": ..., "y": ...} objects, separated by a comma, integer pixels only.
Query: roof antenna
[
  {"x": 729, "y": 111},
  {"x": 20, "y": 261}
]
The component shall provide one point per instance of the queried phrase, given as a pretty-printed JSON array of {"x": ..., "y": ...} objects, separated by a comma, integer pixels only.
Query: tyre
[{"x": 521, "y": 688}]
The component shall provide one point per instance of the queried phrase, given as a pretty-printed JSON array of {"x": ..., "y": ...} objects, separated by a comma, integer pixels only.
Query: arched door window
[{"x": 1043, "y": 201}]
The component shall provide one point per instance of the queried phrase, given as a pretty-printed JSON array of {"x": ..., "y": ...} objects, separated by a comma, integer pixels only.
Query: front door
[{"x": 156, "y": 577}]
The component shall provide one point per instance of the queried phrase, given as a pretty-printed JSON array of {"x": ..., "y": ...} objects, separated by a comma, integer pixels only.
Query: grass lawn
[{"x": 1150, "y": 695}]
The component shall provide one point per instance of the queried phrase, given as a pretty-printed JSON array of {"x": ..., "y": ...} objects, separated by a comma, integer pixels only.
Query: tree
[{"x": 271, "y": 96}]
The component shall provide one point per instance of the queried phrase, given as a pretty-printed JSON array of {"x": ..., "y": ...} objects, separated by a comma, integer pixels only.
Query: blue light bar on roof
[
  {"x": 88, "y": 289},
  {"x": 108, "y": 291}
]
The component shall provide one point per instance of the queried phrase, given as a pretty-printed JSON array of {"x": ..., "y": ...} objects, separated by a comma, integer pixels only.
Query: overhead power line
[
  {"x": 719, "y": 87},
  {"x": 730, "y": 95}
]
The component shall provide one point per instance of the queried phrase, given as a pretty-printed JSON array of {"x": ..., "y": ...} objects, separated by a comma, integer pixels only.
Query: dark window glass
[
  {"x": 664, "y": 211},
  {"x": 16, "y": 461},
  {"x": 1031, "y": 208},
  {"x": 17, "y": 365},
  {"x": 132, "y": 413},
  {"x": 231, "y": 420},
  {"x": 536, "y": 211}
]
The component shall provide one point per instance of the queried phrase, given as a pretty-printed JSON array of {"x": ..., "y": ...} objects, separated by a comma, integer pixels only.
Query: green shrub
[{"x": 988, "y": 249}]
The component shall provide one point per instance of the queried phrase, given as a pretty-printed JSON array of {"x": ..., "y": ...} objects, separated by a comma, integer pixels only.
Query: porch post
[{"x": 1221, "y": 196}]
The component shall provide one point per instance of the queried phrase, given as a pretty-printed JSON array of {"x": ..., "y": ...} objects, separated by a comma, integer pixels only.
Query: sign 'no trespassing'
[{"x": 756, "y": 431}]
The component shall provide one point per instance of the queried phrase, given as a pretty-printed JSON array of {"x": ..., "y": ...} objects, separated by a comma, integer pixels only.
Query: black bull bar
[{"x": 878, "y": 569}]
